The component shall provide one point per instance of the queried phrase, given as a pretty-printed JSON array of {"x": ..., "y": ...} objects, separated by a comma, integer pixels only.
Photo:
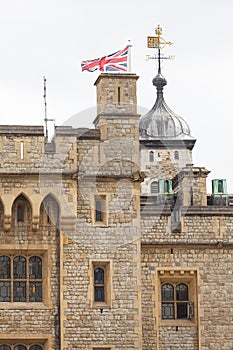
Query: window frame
[
  {"x": 177, "y": 276},
  {"x": 27, "y": 344},
  {"x": 176, "y": 155},
  {"x": 44, "y": 340},
  {"x": 25, "y": 279},
  {"x": 44, "y": 254},
  {"x": 26, "y": 347},
  {"x": 154, "y": 187},
  {"x": 151, "y": 156},
  {"x": 25, "y": 218},
  {"x": 106, "y": 265},
  {"x": 101, "y": 198},
  {"x": 174, "y": 301}
]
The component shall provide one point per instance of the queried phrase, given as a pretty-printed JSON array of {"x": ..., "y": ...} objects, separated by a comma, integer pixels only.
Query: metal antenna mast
[
  {"x": 46, "y": 120},
  {"x": 157, "y": 42}
]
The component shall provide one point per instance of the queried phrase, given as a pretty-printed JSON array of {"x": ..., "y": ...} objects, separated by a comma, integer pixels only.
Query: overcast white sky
[{"x": 51, "y": 37}]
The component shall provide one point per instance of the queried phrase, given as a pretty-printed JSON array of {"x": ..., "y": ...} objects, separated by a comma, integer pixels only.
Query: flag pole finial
[
  {"x": 157, "y": 42},
  {"x": 46, "y": 119}
]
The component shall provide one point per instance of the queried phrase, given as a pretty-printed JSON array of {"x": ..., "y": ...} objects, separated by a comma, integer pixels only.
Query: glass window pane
[
  {"x": 19, "y": 290},
  {"x": 167, "y": 292},
  {"x": 99, "y": 276},
  {"x": 151, "y": 156},
  {"x": 4, "y": 347},
  {"x": 182, "y": 292},
  {"x": 36, "y": 347},
  {"x": 20, "y": 214},
  {"x": 20, "y": 347},
  {"x": 167, "y": 311},
  {"x": 19, "y": 267},
  {"x": 5, "y": 291},
  {"x": 176, "y": 155},
  {"x": 98, "y": 210},
  {"x": 99, "y": 294},
  {"x": 5, "y": 267},
  {"x": 35, "y": 291},
  {"x": 154, "y": 187},
  {"x": 35, "y": 267},
  {"x": 182, "y": 310}
]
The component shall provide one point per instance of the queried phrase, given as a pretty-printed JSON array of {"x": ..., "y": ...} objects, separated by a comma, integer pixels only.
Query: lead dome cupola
[{"x": 161, "y": 122}]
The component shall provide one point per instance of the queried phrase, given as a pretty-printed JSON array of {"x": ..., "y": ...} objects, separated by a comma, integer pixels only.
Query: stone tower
[{"x": 102, "y": 259}]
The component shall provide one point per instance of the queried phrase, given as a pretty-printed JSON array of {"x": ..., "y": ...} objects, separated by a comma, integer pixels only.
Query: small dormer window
[
  {"x": 165, "y": 186},
  {"x": 219, "y": 186}
]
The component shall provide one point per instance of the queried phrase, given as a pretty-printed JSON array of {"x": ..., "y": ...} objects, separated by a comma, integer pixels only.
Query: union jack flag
[{"x": 117, "y": 61}]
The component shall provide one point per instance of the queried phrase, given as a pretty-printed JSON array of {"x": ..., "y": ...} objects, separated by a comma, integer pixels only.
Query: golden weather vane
[{"x": 157, "y": 42}]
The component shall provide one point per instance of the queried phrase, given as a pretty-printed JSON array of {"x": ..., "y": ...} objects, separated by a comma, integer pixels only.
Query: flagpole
[{"x": 129, "y": 57}]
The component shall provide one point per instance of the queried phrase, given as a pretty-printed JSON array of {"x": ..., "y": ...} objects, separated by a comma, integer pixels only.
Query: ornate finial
[
  {"x": 46, "y": 120},
  {"x": 158, "y": 31},
  {"x": 157, "y": 42}
]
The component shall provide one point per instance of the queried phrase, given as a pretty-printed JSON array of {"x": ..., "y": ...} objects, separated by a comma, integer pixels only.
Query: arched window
[
  {"x": 19, "y": 278},
  {"x": 176, "y": 155},
  {"x": 21, "y": 347},
  {"x": 21, "y": 211},
  {"x": 99, "y": 285},
  {"x": 154, "y": 187},
  {"x": 35, "y": 347},
  {"x": 21, "y": 275},
  {"x": 175, "y": 301},
  {"x": 35, "y": 279},
  {"x": 167, "y": 301},
  {"x": 151, "y": 156},
  {"x": 182, "y": 299},
  {"x": 49, "y": 212},
  {"x": 5, "y": 267},
  {"x": 5, "y": 275}
]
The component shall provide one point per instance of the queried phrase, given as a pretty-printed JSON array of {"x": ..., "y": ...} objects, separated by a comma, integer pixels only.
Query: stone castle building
[{"x": 108, "y": 238}]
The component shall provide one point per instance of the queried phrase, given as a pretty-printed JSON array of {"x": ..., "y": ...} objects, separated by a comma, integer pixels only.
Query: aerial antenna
[
  {"x": 157, "y": 42},
  {"x": 46, "y": 120}
]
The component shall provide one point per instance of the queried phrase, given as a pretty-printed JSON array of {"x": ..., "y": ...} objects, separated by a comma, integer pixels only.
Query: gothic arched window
[
  {"x": 49, "y": 212},
  {"x": 21, "y": 211}
]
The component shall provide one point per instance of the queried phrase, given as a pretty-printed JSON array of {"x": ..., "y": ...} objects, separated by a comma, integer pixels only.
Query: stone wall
[{"x": 213, "y": 292}]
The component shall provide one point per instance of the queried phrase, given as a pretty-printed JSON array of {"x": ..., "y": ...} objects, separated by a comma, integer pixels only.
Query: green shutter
[
  {"x": 224, "y": 186},
  {"x": 215, "y": 186},
  {"x": 170, "y": 191},
  {"x": 161, "y": 186}
]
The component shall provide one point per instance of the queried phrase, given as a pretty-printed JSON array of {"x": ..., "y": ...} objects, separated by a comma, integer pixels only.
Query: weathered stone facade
[{"x": 78, "y": 208}]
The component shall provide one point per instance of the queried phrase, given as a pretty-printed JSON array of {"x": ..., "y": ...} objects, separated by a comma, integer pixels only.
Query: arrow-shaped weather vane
[{"x": 157, "y": 42}]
